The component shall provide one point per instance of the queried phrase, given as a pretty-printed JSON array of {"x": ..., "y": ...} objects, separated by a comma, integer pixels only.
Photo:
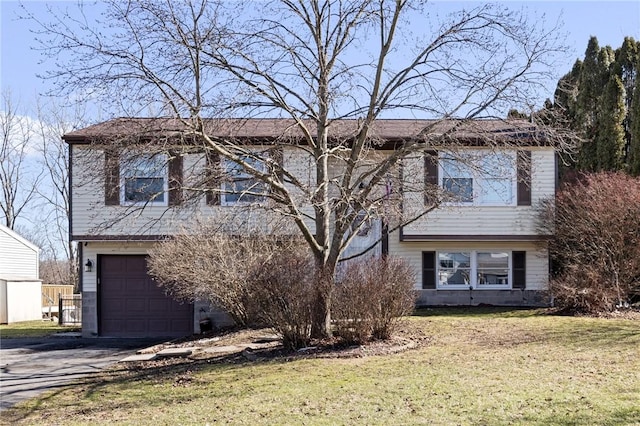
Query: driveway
[{"x": 30, "y": 366}]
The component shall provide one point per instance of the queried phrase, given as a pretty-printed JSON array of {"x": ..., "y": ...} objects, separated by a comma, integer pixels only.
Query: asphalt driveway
[{"x": 30, "y": 366}]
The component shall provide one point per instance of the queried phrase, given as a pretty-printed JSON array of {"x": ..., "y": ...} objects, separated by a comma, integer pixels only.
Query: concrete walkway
[{"x": 29, "y": 367}]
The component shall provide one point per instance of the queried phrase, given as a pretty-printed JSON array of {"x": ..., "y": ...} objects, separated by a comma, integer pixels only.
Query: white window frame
[
  {"x": 127, "y": 163},
  {"x": 228, "y": 166},
  {"x": 473, "y": 273},
  {"x": 480, "y": 178}
]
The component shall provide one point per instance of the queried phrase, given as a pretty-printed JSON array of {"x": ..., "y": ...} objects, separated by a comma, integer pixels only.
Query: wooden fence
[{"x": 51, "y": 297}]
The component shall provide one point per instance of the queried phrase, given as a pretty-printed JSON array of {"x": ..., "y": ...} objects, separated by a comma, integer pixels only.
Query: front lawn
[
  {"x": 487, "y": 367},
  {"x": 38, "y": 328}
]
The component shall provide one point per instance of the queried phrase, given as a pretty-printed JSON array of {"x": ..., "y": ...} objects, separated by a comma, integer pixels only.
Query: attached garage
[{"x": 132, "y": 305}]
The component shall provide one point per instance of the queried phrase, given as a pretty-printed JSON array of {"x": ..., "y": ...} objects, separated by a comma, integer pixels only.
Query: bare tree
[
  {"x": 53, "y": 121},
  {"x": 316, "y": 63},
  {"x": 18, "y": 178},
  {"x": 34, "y": 175}
]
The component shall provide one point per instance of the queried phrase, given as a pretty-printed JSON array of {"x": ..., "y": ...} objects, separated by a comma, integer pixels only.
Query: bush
[
  {"x": 370, "y": 296},
  {"x": 212, "y": 266},
  {"x": 261, "y": 279},
  {"x": 584, "y": 290},
  {"x": 283, "y": 289},
  {"x": 595, "y": 243},
  {"x": 257, "y": 279}
]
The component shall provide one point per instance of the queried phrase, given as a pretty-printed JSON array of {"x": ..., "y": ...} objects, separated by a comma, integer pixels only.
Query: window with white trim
[
  {"x": 144, "y": 179},
  {"x": 479, "y": 178},
  {"x": 454, "y": 269},
  {"x": 457, "y": 180},
  {"x": 475, "y": 269},
  {"x": 240, "y": 186}
]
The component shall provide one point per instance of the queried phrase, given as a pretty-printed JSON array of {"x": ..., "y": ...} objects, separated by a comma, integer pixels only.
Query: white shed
[{"x": 20, "y": 284}]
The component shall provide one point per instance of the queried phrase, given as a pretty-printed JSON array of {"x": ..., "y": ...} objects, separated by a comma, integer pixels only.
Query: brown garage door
[{"x": 132, "y": 305}]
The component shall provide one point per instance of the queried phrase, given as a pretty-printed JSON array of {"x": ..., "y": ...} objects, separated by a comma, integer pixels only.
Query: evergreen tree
[
  {"x": 590, "y": 83},
  {"x": 610, "y": 142},
  {"x": 566, "y": 94},
  {"x": 626, "y": 68},
  {"x": 598, "y": 99},
  {"x": 634, "y": 125}
]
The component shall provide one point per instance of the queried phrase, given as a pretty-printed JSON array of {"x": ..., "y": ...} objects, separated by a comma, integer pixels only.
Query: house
[
  {"x": 479, "y": 246},
  {"x": 20, "y": 285}
]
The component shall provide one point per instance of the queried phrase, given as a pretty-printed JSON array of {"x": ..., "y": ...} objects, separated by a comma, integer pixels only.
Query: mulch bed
[{"x": 248, "y": 345}]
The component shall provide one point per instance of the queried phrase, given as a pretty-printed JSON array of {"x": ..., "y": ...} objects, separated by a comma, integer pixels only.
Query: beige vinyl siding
[
  {"x": 90, "y": 216},
  {"x": 18, "y": 257},
  {"x": 493, "y": 220},
  {"x": 337, "y": 167},
  {"x": 537, "y": 260},
  {"x": 298, "y": 162}
]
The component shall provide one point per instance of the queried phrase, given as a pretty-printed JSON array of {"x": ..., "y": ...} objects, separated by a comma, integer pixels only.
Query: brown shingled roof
[{"x": 273, "y": 128}]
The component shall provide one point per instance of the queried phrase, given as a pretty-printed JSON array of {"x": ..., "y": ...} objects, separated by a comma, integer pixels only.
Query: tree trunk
[{"x": 321, "y": 324}]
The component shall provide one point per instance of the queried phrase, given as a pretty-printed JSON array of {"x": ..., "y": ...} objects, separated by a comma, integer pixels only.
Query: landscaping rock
[{"x": 175, "y": 352}]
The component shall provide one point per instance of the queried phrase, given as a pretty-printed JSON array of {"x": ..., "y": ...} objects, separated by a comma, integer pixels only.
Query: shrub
[
  {"x": 583, "y": 289},
  {"x": 212, "y": 266},
  {"x": 370, "y": 296},
  {"x": 595, "y": 247},
  {"x": 283, "y": 288},
  {"x": 255, "y": 279}
]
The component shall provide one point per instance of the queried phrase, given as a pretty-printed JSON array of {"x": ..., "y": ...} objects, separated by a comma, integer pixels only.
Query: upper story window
[
  {"x": 240, "y": 186},
  {"x": 479, "y": 178},
  {"x": 144, "y": 179},
  {"x": 457, "y": 180}
]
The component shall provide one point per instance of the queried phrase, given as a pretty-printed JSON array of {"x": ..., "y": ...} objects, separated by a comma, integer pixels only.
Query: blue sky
[{"x": 610, "y": 21}]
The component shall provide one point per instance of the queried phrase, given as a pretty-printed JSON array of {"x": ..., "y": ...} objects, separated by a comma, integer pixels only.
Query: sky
[{"x": 609, "y": 21}]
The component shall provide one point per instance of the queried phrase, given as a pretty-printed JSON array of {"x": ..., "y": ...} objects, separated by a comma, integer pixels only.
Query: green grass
[
  {"x": 477, "y": 367},
  {"x": 36, "y": 328}
]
